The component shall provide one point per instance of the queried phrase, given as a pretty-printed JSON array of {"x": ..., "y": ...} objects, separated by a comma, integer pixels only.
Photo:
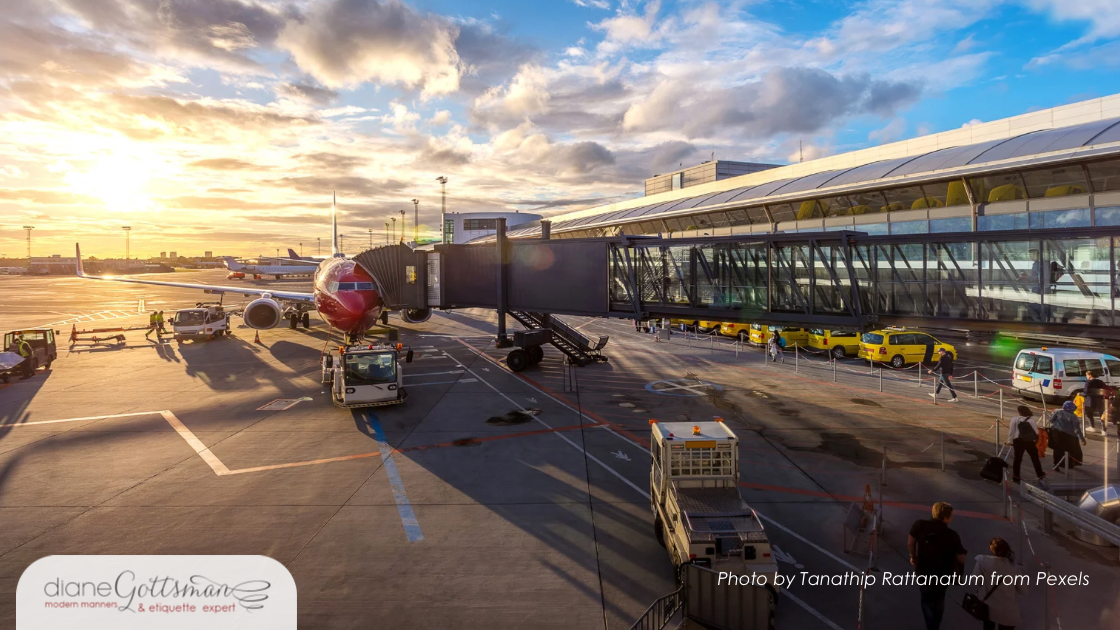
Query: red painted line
[
  {"x": 614, "y": 426},
  {"x": 852, "y": 498},
  {"x": 490, "y": 438}
]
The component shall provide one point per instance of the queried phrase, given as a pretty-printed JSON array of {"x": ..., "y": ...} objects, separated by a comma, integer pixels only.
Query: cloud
[
  {"x": 224, "y": 164},
  {"x": 440, "y": 118},
  {"x": 631, "y": 29},
  {"x": 786, "y": 100},
  {"x": 894, "y": 130},
  {"x": 13, "y": 171},
  {"x": 307, "y": 92},
  {"x": 595, "y": 4},
  {"x": 46, "y": 197},
  {"x": 344, "y": 185},
  {"x": 343, "y": 43},
  {"x": 336, "y": 162},
  {"x": 1102, "y": 17}
]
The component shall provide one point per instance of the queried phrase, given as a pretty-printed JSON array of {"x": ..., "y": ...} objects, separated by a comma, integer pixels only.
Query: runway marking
[
  {"x": 404, "y": 508},
  {"x": 195, "y": 443},
  {"x": 462, "y": 380},
  {"x": 645, "y": 494},
  {"x": 432, "y": 374},
  {"x": 809, "y": 609},
  {"x": 119, "y": 415}
]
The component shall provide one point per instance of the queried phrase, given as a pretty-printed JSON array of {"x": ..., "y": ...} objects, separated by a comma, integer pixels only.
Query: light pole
[
  {"x": 29, "y": 228},
  {"x": 370, "y": 237},
  {"x": 127, "y": 229},
  {"x": 277, "y": 255},
  {"x": 416, "y": 222},
  {"x": 301, "y": 250},
  {"x": 319, "y": 245},
  {"x": 386, "y": 232},
  {"x": 402, "y": 225},
  {"x": 442, "y": 208},
  {"x": 394, "y": 229}
]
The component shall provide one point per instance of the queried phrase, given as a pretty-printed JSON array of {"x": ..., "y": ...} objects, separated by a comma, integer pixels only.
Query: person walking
[
  {"x": 159, "y": 324},
  {"x": 1001, "y": 597},
  {"x": 1094, "y": 394},
  {"x": 944, "y": 370},
  {"x": 1066, "y": 436},
  {"x": 25, "y": 351},
  {"x": 1023, "y": 437},
  {"x": 776, "y": 348},
  {"x": 935, "y": 550},
  {"x": 151, "y": 324}
]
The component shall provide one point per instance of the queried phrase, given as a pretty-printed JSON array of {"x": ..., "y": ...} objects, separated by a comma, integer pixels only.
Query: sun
[{"x": 120, "y": 181}]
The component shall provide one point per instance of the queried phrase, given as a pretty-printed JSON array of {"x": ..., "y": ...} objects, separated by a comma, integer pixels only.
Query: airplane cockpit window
[
  {"x": 355, "y": 286},
  {"x": 371, "y": 369}
]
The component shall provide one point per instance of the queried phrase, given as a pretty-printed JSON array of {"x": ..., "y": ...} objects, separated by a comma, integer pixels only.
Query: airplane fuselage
[{"x": 345, "y": 296}]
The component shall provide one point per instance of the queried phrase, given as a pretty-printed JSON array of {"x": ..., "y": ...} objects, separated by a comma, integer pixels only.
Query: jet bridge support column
[{"x": 503, "y": 340}]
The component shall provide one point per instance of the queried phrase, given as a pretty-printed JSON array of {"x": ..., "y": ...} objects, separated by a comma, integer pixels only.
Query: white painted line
[
  {"x": 462, "y": 380},
  {"x": 432, "y": 374},
  {"x": 812, "y": 611},
  {"x": 546, "y": 425},
  {"x": 809, "y": 542},
  {"x": 200, "y": 448},
  {"x": 119, "y": 415}
]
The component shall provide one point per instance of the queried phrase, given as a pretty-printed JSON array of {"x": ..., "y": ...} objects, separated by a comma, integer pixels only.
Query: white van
[{"x": 1059, "y": 373}]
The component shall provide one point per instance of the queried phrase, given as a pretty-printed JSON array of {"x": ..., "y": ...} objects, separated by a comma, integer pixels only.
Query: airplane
[
  {"x": 267, "y": 270},
  {"x": 345, "y": 295},
  {"x": 292, "y": 255}
]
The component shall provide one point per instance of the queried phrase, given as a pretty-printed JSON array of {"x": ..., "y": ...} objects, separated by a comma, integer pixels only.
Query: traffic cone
[
  {"x": 74, "y": 334},
  {"x": 257, "y": 339},
  {"x": 868, "y": 506}
]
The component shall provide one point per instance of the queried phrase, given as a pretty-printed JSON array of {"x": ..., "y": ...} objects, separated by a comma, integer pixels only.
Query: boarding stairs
[{"x": 580, "y": 348}]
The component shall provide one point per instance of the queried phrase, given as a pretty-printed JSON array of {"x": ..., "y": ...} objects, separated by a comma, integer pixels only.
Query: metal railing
[
  {"x": 1052, "y": 504},
  {"x": 661, "y": 612}
]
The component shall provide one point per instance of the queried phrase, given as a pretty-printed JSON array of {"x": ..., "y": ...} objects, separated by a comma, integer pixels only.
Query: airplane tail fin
[
  {"x": 334, "y": 227},
  {"x": 293, "y": 255},
  {"x": 231, "y": 263},
  {"x": 79, "y": 268}
]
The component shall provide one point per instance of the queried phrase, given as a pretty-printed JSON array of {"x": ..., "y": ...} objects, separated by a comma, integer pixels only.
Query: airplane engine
[
  {"x": 416, "y": 315},
  {"x": 262, "y": 313}
]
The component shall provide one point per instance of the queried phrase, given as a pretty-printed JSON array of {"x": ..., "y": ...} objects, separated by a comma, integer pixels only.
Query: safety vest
[
  {"x": 24, "y": 348},
  {"x": 152, "y": 319},
  {"x": 159, "y": 318}
]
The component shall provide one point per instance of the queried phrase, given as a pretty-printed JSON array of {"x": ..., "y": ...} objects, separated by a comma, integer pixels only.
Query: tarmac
[{"x": 491, "y": 499}]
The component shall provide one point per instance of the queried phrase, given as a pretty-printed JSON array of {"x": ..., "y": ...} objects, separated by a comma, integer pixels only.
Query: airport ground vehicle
[
  {"x": 1059, "y": 373},
  {"x": 700, "y": 516},
  {"x": 43, "y": 349},
  {"x": 838, "y": 343},
  {"x": 365, "y": 375},
  {"x": 235, "y": 275},
  {"x": 731, "y": 329},
  {"x": 901, "y": 347},
  {"x": 208, "y": 321},
  {"x": 760, "y": 335}
]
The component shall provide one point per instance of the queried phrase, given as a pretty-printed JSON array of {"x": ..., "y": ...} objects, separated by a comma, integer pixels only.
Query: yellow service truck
[{"x": 700, "y": 516}]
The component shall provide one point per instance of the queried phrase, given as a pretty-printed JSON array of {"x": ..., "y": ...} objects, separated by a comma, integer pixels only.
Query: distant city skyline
[{"x": 229, "y": 129}]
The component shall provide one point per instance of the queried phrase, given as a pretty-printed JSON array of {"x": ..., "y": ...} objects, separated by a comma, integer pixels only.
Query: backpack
[{"x": 1026, "y": 431}]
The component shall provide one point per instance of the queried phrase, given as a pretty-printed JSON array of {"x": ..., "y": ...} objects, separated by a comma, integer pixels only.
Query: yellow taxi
[
  {"x": 730, "y": 329},
  {"x": 707, "y": 326},
  {"x": 838, "y": 343},
  {"x": 901, "y": 347},
  {"x": 760, "y": 334},
  {"x": 689, "y": 324}
]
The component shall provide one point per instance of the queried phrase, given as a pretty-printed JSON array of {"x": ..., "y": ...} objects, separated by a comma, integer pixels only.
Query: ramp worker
[
  {"x": 159, "y": 324},
  {"x": 24, "y": 350},
  {"x": 152, "y": 323}
]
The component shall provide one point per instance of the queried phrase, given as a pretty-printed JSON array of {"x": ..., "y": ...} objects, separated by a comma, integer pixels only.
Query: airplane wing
[{"x": 206, "y": 288}]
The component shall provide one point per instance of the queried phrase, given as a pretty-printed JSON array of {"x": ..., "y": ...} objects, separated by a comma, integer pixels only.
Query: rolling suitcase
[{"x": 994, "y": 466}]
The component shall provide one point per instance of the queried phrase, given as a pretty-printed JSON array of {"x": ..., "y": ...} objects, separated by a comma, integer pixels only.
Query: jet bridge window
[
  {"x": 355, "y": 286},
  {"x": 371, "y": 369}
]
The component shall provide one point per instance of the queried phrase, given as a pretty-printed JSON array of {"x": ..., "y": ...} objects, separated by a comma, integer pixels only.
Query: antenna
[{"x": 800, "y": 151}]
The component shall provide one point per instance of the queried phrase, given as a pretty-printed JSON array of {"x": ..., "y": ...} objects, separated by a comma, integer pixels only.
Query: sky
[{"x": 226, "y": 125}]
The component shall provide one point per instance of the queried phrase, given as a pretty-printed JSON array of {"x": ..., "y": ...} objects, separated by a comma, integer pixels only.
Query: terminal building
[
  {"x": 1055, "y": 168},
  {"x": 463, "y": 227}
]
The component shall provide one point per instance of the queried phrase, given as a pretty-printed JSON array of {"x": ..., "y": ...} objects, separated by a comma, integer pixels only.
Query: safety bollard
[
  {"x": 834, "y": 362},
  {"x": 880, "y": 378},
  {"x": 1021, "y": 526},
  {"x": 795, "y": 355},
  {"x": 975, "y": 384},
  {"x": 942, "y": 451},
  {"x": 919, "y": 366},
  {"x": 1006, "y": 496},
  {"x": 711, "y": 342},
  {"x": 883, "y": 473},
  {"x": 1045, "y": 599}
]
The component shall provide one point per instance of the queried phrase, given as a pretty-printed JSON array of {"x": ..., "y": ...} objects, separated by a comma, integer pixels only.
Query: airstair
[{"x": 580, "y": 348}]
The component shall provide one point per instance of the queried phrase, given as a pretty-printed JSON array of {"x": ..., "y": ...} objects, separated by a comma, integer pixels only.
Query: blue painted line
[{"x": 408, "y": 517}]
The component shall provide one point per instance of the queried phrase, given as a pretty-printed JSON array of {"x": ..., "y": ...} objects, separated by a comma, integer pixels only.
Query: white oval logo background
[{"x": 172, "y": 592}]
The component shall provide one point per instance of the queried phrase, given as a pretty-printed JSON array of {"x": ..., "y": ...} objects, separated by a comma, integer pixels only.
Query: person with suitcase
[
  {"x": 1023, "y": 438},
  {"x": 1065, "y": 435}
]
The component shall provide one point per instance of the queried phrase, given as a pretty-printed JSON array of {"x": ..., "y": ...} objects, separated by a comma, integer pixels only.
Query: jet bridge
[{"x": 1056, "y": 281}]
